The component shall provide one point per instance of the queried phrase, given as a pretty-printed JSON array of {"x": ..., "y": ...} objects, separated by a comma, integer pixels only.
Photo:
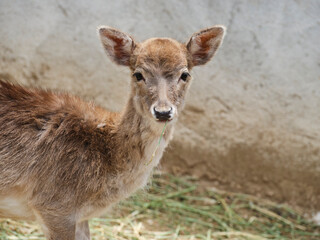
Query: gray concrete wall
[{"x": 252, "y": 119}]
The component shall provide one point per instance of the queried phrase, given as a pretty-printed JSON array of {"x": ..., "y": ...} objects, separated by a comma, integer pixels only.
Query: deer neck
[{"x": 140, "y": 136}]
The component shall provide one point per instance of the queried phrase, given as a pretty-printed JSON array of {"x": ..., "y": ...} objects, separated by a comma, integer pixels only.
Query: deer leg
[
  {"x": 82, "y": 231},
  {"x": 58, "y": 228}
]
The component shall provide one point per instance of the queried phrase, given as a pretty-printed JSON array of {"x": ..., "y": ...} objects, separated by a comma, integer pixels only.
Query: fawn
[{"x": 63, "y": 161}]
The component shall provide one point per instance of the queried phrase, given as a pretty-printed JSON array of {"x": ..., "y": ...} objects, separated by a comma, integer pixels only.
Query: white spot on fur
[
  {"x": 15, "y": 207},
  {"x": 101, "y": 125}
]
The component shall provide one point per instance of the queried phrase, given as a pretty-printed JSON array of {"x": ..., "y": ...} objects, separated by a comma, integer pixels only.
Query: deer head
[{"x": 161, "y": 67}]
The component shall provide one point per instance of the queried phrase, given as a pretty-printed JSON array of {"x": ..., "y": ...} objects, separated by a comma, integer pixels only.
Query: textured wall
[{"x": 252, "y": 119}]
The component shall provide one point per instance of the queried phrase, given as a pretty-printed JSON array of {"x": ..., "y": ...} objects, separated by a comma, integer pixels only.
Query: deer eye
[
  {"x": 184, "y": 76},
  {"x": 138, "y": 76}
]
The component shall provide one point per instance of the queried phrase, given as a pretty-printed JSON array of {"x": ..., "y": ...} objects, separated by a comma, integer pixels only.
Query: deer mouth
[{"x": 164, "y": 120}]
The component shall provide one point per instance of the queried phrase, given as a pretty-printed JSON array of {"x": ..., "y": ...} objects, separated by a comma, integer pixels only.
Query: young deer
[{"x": 63, "y": 161}]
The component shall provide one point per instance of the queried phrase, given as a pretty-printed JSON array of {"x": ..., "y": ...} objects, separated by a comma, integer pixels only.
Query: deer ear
[
  {"x": 203, "y": 45},
  {"x": 118, "y": 45}
]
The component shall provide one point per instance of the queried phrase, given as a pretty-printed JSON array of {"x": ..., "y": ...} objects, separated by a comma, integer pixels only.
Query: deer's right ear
[{"x": 118, "y": 45}]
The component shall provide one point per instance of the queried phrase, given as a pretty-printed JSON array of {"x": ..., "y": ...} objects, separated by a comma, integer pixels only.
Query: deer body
[
  {"x": 106, "y": 153},
  {"x": 63, "y": 161}
]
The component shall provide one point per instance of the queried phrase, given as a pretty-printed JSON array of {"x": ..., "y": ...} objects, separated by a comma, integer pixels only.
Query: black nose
[{"x": 164, "y": 115}]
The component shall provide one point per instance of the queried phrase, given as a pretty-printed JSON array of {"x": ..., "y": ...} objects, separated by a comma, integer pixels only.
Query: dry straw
[{"x": 177, "y": 208}]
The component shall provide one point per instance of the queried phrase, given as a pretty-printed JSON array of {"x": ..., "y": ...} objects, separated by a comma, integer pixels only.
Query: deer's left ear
[
  {"x": 118, "y": 45},
  {"x": 203, "y": 45}
]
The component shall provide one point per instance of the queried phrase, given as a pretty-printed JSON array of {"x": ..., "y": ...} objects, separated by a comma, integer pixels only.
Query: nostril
[{"x": 163, "y": 115}]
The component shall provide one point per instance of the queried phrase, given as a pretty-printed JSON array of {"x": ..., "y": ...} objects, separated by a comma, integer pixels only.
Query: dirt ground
[{"x": 262, "y": 167}]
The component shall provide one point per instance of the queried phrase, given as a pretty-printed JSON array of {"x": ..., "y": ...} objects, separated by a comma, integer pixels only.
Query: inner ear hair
[{"x": 203, "y": 45}]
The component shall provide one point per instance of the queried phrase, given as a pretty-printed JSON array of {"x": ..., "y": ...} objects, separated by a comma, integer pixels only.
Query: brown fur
[{"x": 62, "y": 160}]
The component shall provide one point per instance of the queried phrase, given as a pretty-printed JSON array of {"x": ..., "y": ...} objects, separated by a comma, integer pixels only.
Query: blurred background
[{"x": 252, "y": 119}]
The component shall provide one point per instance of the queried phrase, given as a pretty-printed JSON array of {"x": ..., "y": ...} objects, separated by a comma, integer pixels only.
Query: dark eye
[
  {"x": 184, "y": 76},
  {"x": 138, "y": 76}
]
